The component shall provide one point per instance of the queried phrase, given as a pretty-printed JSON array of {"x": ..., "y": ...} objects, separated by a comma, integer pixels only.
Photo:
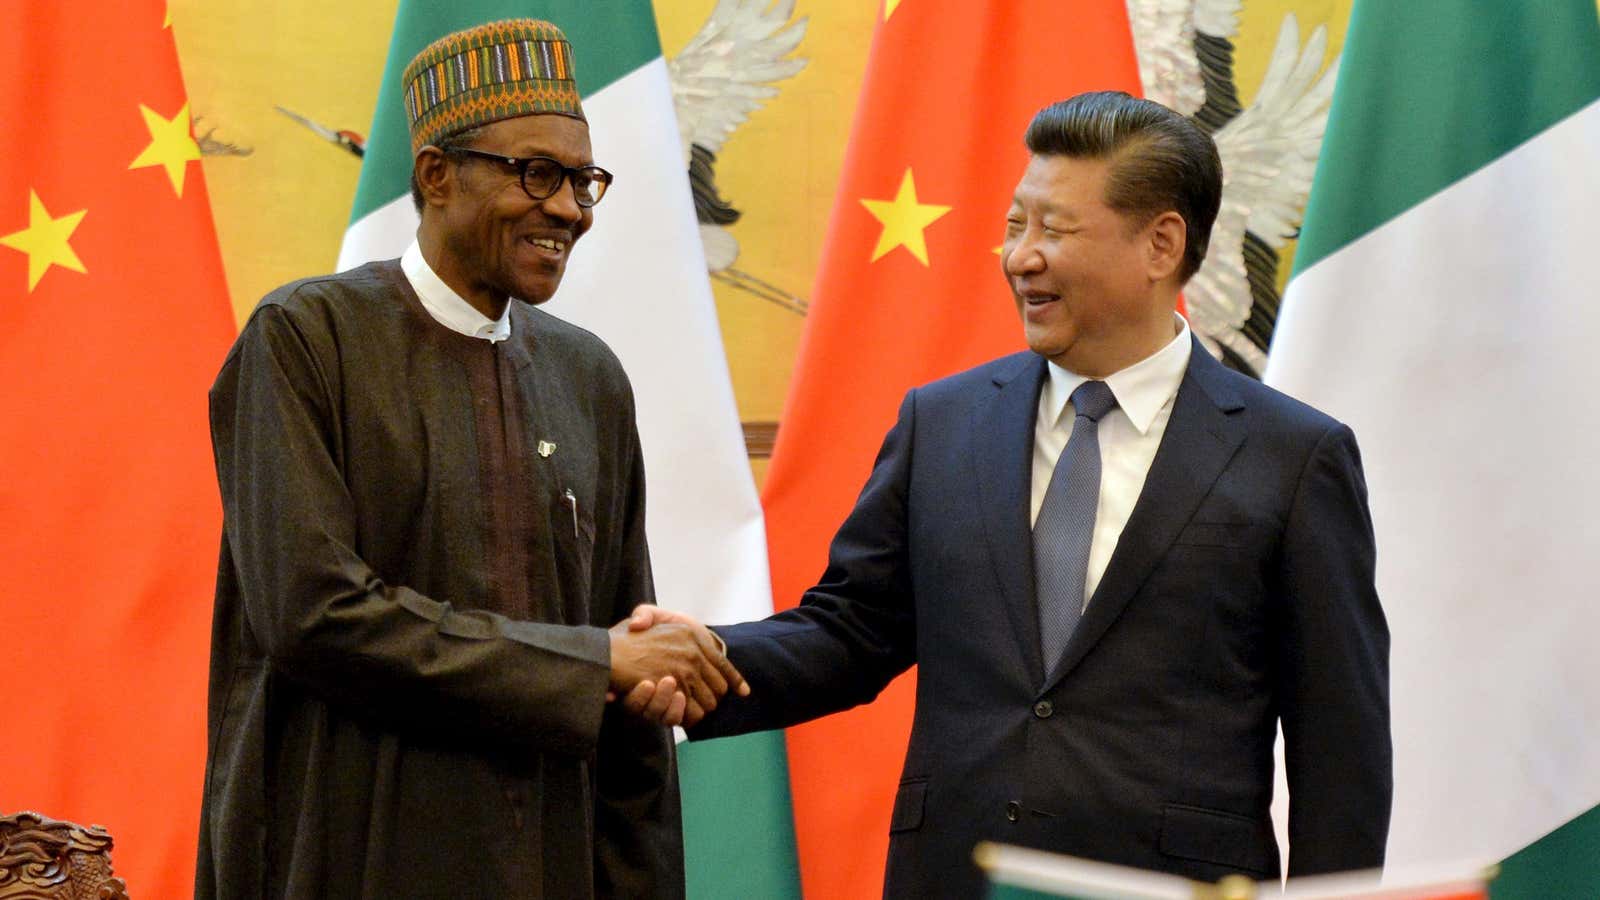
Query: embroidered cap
[{"x": 516, "y": 67}]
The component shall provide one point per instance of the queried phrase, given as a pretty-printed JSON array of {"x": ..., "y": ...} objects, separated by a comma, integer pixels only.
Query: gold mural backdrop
[{"x": 281, "y": 194}]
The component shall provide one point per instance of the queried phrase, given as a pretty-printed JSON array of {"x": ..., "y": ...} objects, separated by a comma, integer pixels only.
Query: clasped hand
[{"x": 669, "y": 668}]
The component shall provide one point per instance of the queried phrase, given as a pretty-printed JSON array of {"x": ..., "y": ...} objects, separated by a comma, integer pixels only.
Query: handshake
[{"x": 668, "y": 668}]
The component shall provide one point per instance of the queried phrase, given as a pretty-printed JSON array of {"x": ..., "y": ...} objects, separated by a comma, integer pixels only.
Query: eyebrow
[{"x": 1049, "y": 208}]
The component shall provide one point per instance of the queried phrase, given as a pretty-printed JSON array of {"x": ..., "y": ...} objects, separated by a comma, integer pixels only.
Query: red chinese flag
[
  {"x": 114, "y": 318},
  {"x": 910, "y": 289}
]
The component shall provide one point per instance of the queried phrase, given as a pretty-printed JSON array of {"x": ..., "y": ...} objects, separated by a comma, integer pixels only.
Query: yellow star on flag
[
  {"x": 888, "y": 8},
  {"x": 45, "y": 240},
  {"x": 171, "y": 145},
  {"x": 903, "y": 219}
]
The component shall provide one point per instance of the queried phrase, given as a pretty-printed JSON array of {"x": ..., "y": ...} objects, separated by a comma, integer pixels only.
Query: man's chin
[
  {"x": 1046, "y": 345},
  {"x": 538, "y": 290}
]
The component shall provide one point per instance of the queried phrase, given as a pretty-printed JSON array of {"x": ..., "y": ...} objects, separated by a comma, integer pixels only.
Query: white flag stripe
[
  {"x": 638, "y": 279},
  {"x": 383, "y": 233},
  {"x": 1461, "y": 341}
]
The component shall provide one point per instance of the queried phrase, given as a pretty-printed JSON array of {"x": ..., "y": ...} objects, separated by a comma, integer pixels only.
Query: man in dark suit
[{"x": 1112, "y": 608}]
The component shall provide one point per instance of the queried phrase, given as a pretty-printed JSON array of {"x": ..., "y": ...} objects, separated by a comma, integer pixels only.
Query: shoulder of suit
[
  {"x": 1267, "y": 405},
  {"x": 986, "y": 376}
]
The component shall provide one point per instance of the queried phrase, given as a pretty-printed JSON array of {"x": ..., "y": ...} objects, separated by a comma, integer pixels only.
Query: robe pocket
[
  {"x": 1220, "y": 534},
  {"x": 908, "y": 803},
  {"x": 572, "y": 522},
  {"x": 1217, "y": 837},
  {"x": 574, "y": 516}
]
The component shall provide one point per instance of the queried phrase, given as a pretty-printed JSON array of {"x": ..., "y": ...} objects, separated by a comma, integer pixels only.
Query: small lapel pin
[{"x": 546, "y": 448}]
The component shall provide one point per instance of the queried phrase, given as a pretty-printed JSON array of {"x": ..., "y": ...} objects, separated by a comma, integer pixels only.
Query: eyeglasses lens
[{"x": 543, "y": 177}]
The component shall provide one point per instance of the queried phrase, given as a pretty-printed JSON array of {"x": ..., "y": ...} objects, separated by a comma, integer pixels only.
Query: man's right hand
[{"x": 677, "y": 666}]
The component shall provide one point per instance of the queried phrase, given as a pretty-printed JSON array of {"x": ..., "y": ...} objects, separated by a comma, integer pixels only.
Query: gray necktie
[{"x": 1062, "y": 533}]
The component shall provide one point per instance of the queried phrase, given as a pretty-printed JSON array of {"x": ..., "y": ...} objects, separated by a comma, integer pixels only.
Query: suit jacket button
[
  {"x": 1013, "y": 810},
  {"x": 1043, "y": 709}
]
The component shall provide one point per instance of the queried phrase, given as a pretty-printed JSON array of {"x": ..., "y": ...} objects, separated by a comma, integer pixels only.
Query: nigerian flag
[
  {"x": 638, "y": 279},
  {"x": 1445, "y": 304}
]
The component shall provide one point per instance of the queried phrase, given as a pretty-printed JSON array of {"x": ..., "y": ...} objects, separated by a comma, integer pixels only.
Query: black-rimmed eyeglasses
[{"x": 542, "y": 176}]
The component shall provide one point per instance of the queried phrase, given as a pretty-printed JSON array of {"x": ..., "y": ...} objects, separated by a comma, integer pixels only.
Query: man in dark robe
[{"x": 433, "y": 504}]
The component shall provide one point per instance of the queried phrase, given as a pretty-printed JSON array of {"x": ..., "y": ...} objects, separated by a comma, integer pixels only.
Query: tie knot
[{"x": 1093, "y": 399}]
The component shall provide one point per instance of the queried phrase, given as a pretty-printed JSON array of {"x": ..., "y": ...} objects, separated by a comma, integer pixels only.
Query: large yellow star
[
  {"x": 45, "y": 240},
  {"x": 903, "y": 219},
  {"x": 171, "y": 145}
]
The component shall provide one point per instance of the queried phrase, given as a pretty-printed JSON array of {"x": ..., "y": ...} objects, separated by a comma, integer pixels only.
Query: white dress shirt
[
  {"x": 1129, "y": 436},
  {"x": 446, "y": 306}
]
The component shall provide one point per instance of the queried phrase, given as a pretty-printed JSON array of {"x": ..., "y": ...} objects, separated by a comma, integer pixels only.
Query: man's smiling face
[
  {"x": 1079, "y": 270},
  {"x": 500, "y": 241}
]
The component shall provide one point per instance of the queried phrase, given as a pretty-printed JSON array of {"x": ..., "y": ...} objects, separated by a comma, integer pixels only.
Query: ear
[
  {"x": 1167, "y": 237},
  {"x": 432, "y": 171}
]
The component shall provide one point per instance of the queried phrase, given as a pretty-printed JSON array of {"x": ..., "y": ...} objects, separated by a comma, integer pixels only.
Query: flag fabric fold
[
  {"x": 638, "y": 280},
  {"x": 1443, "y": 305},
  {"x": 909, "y": 289},
  {"x": 114, "y": 318}
]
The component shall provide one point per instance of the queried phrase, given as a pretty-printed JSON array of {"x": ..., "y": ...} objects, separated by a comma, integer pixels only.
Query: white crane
[
  {"x": 725, "y": 73},
  {"x": 1269, "y": 152}
]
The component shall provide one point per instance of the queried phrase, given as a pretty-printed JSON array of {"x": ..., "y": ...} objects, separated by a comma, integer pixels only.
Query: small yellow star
[
  {"x": 45, "y": 240},
  {"x": 171, "y": 145},
  {"x": 888, "y": 8},
  {"x": 903, "y": 220},
  {"x": 167, "y": 22}
]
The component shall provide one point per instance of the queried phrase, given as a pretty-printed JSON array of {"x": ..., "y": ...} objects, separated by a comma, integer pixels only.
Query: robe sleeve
[
  {"x": 321, "y": 615},
  {"x": 638, "y": 822}
]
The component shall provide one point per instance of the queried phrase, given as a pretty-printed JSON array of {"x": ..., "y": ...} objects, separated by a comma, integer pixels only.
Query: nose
[
  {"x": 563, "y": 204},
  {"x": 1021, "y": 257}
]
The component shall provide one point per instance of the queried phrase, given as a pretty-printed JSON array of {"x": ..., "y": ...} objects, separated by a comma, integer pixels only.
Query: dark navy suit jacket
[{"x": 1240, "y": 593}]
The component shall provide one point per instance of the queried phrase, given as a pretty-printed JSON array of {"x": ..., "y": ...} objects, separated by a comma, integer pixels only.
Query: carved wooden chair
[{"x": 43, "y": 859}]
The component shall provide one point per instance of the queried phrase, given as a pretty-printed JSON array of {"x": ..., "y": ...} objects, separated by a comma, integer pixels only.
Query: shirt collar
[
  {"x": 1141, "y": 389},
  {"x": 446, "y": 306}
]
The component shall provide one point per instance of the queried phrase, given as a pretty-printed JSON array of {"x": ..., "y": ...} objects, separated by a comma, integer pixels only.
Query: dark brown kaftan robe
[{"x": 408, "y": 656}]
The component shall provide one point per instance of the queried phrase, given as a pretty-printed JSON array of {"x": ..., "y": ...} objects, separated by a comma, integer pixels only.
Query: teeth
[{"x": 549, "y": 244}]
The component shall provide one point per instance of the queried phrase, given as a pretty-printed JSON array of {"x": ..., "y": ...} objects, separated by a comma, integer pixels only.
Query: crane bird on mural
[
  {"x": 1269, "y": 151},
  {"x": 725, "y": 73}
]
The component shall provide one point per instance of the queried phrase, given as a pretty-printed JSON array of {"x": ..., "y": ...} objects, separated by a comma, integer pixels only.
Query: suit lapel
[
  {"x": 1002, "y": 457},
  {"x": 1203, "y": 433}
]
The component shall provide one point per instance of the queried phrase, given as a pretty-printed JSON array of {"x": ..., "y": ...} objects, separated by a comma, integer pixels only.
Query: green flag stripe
[
  {"x": 1411, "y": 73},
  {"x": 1564, "y": 863},
  {"x": 738, "y": 828},
  {"x": 610, "y": 38}
]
